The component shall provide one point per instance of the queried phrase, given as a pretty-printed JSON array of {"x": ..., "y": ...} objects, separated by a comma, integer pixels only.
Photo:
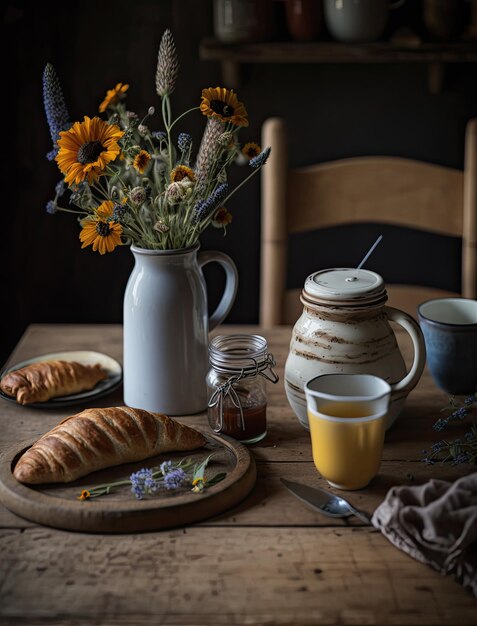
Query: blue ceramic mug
[{"x": 449, "y": 326}]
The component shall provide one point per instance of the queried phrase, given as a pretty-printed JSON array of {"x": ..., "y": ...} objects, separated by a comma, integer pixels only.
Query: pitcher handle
[
  {"x": 231, "y": 283},
  {"x": 412, "y": 327}
]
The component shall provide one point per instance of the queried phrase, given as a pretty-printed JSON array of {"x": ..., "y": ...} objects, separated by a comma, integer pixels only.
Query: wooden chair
[{"x": 384, "y": 190}]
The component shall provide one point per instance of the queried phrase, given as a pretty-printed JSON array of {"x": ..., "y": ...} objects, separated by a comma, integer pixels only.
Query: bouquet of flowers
[{"x": 129, "y": 184}]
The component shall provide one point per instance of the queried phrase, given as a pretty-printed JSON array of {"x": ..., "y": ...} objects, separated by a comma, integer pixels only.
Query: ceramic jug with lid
[{"x": 345, "y": 328}]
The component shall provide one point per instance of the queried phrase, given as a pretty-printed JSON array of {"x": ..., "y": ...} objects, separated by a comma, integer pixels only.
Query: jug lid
[{"x": 344, "y": 285}]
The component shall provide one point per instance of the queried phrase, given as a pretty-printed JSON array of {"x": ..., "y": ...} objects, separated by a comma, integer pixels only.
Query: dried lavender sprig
[
  {"x": 458, "y": 414},
  {"x": 167, "y": 65},
  {"x": 204, "y": 208},
  {"x": 260, "y": 159},
  {"x": 56, "y": 112}
]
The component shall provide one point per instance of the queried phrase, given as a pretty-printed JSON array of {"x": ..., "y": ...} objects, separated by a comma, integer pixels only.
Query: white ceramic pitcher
[
  {"x": 166, "y": 327},
  {"x": 345, "y": 328}
]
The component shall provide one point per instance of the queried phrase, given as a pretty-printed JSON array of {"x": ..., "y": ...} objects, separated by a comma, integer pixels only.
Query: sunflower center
[
  {"x": 89, "y": 152},
  {"x": 222, "y": 108},
  {"x": 103, "y": 229}
]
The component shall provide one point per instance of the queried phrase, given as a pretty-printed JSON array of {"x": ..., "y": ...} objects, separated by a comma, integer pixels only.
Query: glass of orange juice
[{"x": 347, "y": 416}]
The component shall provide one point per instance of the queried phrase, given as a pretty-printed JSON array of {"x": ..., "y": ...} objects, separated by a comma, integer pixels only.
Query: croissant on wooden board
[
  {"x": 98, "y": 438},
  {"x": 43, "y": 380}
]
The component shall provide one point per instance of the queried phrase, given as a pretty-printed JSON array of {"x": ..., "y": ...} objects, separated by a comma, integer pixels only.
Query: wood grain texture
[
  {"x": 370, "y": 189},
  {"x": 268, "y": 560},
  {"x": 223, "y": 576}
]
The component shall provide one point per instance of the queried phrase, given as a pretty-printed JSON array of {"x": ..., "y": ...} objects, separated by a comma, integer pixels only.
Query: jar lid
[
  {"x": 344, "y": 285},
  {"x": 237, "y": 352}
]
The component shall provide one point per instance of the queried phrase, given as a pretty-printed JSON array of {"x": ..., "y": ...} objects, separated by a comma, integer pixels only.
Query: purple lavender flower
[
  {"x": 260, "y": 159},
  {"x": 459, "y": 414},
  {"x": 438, "y": 446},
  {"x": 51, "y": 207},
  {"x": 60, "y": 188},
  {"x": 55, "y": 107},
  {"x": 166, "y": 467},
  {"x": 204, "y": 208},
  {"x": 174, "y": 479},
  {"x": 440, "y": 424},
  {"x": 184, "y": 141},
  {"x": 143, "y": 483},
  {"x": 462, "y": 457},
  {"x": 119, "y": 211}
]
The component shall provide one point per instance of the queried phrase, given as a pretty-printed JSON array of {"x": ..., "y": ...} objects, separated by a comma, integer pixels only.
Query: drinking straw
[{"x": 370, "y": 251}]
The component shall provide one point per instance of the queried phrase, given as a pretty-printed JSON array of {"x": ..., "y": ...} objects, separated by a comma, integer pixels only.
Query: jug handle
[
  {"x": 412, "y": 327},
  {"x": 231, "y": 283}
]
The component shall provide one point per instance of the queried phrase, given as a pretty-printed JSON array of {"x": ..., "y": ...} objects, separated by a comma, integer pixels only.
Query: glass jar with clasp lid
[{"x": 240, "y": 365}]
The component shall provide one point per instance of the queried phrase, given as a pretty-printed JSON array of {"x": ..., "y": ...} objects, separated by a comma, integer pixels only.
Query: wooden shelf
[{"x": 436, "y": 55}]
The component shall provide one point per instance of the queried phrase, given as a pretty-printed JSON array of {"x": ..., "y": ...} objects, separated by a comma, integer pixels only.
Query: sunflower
[
  {"x": 113, "y": 96},
  {"x": 100, "y": 230},
  {"x": 87, "y": 148},
  {"x": 222, "y": 218},
  {"x": 181, "y": 172},
  {"x": 251, "y": 150},
  {"x": 141, "y": 160},
  {"x": 223, "y": 104}
]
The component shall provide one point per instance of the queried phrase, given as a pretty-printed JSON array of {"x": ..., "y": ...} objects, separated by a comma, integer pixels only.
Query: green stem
[
  {"x": 183, "y": 115},
  {"x": 60, "y": 208}
]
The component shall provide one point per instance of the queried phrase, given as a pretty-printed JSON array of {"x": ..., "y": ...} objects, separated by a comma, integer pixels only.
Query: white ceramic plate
[{"x": 112, "y": 367}]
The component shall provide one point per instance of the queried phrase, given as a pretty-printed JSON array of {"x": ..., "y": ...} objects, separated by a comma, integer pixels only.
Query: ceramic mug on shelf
[
  {"x": 347, "y": 417},
  {"x": 358, "y": 21},
  {"x": 242, "y": 21},
  {"x": 450, "y": 331}
]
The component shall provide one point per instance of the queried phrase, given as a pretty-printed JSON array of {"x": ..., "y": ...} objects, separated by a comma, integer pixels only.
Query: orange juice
[{"x": 347, "y": 442}]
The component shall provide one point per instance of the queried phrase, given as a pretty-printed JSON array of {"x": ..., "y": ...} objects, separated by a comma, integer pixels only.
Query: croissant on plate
[
  {"x": 98, "y": 438},
  {"x": 43, "y": 380}
]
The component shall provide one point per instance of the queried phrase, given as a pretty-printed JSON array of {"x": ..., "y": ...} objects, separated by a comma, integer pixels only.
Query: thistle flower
[
  {"x": 138, "y": 195},
  {"x": 160, "y": 135},
  {"x": 178, "y": 192},
  {"x": 167, "y": 65},
  {"x": 55, "y": 107}
]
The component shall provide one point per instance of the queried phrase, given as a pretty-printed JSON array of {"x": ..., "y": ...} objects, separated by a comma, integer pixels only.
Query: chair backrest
[{"x": 379, "y": 190}]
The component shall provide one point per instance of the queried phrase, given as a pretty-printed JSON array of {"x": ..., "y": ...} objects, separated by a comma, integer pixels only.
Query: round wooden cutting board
[{"x": 57, "y": 504}]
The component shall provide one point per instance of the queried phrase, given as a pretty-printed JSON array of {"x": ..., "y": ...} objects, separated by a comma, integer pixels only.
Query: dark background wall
[{"x": 333, "y": 111}]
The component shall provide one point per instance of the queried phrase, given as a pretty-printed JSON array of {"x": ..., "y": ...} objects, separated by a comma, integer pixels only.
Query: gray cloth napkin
[{"x": 436, "y": 523}]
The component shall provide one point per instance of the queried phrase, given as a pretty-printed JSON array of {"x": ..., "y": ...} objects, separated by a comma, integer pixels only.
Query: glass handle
[{"x": 231, "y": 283}]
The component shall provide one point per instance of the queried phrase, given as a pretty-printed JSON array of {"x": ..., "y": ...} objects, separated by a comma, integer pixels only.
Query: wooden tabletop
[{"x": 270, "y": 560}]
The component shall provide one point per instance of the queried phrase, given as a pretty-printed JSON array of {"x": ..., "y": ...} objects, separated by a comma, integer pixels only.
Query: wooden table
[{"x": 270, "y": 560}]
